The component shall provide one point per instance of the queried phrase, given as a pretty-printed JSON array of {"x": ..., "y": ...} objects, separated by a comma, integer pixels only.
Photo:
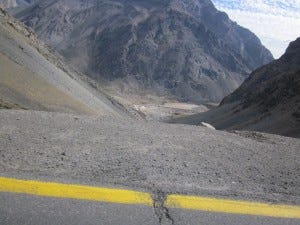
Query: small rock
[{"x": 207, "y": 125}]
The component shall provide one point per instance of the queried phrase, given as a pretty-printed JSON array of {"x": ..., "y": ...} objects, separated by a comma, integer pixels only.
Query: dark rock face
[{"x": 186, "y": 47}]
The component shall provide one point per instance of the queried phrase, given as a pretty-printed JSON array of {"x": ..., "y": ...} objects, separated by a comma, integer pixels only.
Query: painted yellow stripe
[
  {"x": 133, "y": 197},
  {"x": 74, "y": 191},
  {"x": 232, "y": 206}
]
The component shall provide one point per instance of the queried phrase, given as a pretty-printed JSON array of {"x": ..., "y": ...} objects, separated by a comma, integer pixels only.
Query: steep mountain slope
[
  {"x": 183, "y": 47},
  {"x": 32, "y": 77},
  {"x": 269, "y": 100}
]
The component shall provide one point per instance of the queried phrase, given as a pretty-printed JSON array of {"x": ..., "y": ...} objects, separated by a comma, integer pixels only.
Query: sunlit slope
[
  {"x": 32, "y": 77},
  {"x": 25, "y": 88}
]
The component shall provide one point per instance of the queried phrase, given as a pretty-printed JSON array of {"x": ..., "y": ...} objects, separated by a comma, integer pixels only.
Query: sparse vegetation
[{"x": 8, "y": 105}]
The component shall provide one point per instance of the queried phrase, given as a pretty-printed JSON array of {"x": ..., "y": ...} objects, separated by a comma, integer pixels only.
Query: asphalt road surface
[
  {"x": 156, "y": 159},
  {"x": 32, "y": 210},
  {"x": 37, "y": 202}
]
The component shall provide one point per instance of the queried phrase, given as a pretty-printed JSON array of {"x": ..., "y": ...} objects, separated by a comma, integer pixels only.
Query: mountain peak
[{"x": 294, "y": 47}]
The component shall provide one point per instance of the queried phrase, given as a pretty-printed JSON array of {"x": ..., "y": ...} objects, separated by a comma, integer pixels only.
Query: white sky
[{"x": 275, "y": 22}]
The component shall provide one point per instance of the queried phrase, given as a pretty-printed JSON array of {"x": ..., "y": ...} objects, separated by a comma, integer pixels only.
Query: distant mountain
[
  {"x": 269, "y": 100},
  {"x": 262, "y": 16},
  {"x": 183, "y": 47},
  {"x": 33, "y": 77}
]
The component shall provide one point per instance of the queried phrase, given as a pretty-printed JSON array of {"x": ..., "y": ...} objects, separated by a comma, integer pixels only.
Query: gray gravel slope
[{"x": 149, "y": 156}]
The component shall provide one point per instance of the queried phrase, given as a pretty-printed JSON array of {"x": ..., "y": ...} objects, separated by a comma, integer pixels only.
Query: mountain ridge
[{"x": 267, "y": 101}]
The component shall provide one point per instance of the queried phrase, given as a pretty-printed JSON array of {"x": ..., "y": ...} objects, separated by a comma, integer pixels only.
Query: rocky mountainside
[
  {"x": 274, "y": 83},
  {"x": 186, "y": 48},
  {"x": 33, "y": 77},
  {"x": 269, "y": 100}
]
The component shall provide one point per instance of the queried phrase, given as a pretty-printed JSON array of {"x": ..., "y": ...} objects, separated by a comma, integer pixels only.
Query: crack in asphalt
[{"x": 160, "y": 210}]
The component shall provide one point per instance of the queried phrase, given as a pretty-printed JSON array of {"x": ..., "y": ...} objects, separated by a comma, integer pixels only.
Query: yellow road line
[
  {"x": 232, "y": 206},
  {"x": 82, "y": 192},
  {"x": 74, "y": 191}
]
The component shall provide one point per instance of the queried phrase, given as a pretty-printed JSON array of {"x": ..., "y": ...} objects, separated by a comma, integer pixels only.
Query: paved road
[
  {"x": 185, "y": 217},
  {"x": 33, "y": 210},
  {"x": 155, "y": 158},
  {"x": 16, "y": 209},
  {"x": 37, "y": 202}
]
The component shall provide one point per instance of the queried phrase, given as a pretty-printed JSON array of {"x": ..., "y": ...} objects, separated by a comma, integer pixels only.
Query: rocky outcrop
[{"x": 185, "y": 47}]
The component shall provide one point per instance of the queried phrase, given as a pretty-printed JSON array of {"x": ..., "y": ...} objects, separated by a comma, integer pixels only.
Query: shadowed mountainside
[{"x": 185, "y": 48}]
